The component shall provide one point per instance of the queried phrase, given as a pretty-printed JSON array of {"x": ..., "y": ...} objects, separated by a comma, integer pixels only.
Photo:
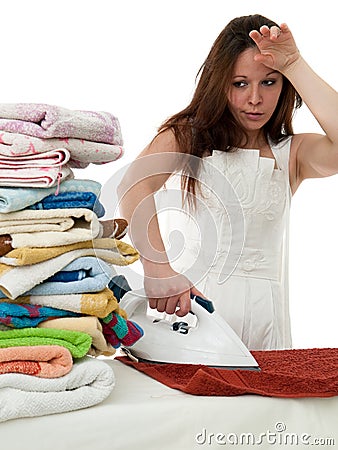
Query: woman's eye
[
  {"x": 239, "y": 84},
  {"x": 268, "y": 82}
]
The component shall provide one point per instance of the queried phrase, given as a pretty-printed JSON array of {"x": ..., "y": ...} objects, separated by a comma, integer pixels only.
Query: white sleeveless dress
[{"x": 234, "y": 246}]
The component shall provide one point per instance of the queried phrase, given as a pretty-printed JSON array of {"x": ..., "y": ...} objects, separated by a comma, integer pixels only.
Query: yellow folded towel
[
  {"x": 98, "y": 304},
  {"x": 32, "y": 255},
  {"x": 17, "y": 279},
  {"x": 90, "y": 325}
]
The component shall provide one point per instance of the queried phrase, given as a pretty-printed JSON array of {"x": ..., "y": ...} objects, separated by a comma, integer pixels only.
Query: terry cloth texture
[
  {"x": 284, "y": 373},
  {"x": 118, "y": 330},
  {"x": 93, "y": 275},
  {"x": 66, "y": 276},
  {"x": 49, "y": 228},
  {"x": 30, "y": 221},
  {"x": 98, "y": 304},
  {"x": 27, "y": 255},
  {"x": 114, "y": 228},
  {"x": 119, "y": 285},
  {"x": 66, "y": 200},
  {"x": 50, "y": 121},
  {"x": 76, "y": 342},
  {"x": 53, "y": 158},
  {"x": 45, "y": 361},
  {"x": 16, "y": 198},
  {"x": 5, "y": 244},
  {"x": 88, "y": 383},
  {"x": 35, "y": 177},
  {"x": 82, "y": 151},
  {"x": 85, "y": 228},
  {"x": 16, "y": 281},
  {"x": 36, "y": 169},
  {"x": 54, "y": 238},
  {"x": 25, "y": 315},
  {"x": 90, "y": 325}
]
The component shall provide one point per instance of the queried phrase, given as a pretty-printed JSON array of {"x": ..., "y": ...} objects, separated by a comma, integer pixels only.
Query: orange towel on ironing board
[{"x": 284, "y": 373}]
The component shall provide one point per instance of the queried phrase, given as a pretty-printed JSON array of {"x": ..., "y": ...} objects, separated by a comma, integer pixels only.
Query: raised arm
[
  {"x": 165, "y": 288},
  {"x": 317, "y": 155}
]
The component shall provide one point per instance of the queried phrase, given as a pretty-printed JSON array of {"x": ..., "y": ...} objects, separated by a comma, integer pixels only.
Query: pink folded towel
[
  {"x": 44, "y": 361},
  {"x": 50, "y": 121},
  {"x": 53, "y": 158},
  {"x": 82, "y": 152},
  {"x": 37, "y": 177}
]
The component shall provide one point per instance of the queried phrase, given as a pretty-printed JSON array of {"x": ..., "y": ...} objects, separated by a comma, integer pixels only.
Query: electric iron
[{"x": 200, "y": 337}]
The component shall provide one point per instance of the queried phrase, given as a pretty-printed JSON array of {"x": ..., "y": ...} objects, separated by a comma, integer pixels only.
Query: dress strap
[{"x": 281, "y": 152}]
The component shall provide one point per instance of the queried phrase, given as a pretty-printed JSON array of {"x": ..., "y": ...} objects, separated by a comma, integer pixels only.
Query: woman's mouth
[{"x": 253, "y": 115}]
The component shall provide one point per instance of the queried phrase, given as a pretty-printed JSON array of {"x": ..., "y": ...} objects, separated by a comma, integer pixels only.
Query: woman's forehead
[{"x": 246, "y": 65}]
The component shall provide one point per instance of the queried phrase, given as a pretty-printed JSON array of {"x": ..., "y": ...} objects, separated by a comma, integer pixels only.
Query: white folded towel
[{"x": 88, "y": 383}]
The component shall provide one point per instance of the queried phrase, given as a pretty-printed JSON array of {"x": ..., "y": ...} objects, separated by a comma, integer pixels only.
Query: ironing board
[{"x": 144, "y": 414}]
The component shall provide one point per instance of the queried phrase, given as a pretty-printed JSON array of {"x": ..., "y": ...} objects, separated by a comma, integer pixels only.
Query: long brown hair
[{"x": 207, "y": 124}]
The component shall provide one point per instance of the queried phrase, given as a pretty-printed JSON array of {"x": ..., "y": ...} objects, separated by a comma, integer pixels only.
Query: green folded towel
[{"x": 77, "y": 342}]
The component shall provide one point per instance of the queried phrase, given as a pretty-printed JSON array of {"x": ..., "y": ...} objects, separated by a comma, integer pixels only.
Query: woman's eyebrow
[{"x": 268, "y": 74}]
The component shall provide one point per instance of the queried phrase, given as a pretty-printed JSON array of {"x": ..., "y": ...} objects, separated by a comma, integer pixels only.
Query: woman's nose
[{"x": 255, "y": 96}]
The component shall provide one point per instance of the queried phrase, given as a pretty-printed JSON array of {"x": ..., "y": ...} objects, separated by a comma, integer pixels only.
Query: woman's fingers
[
  {"x": 184, "y": 304},
  {"x": 274, "y": 32},
  {"x": 265, "y": 32},
  {"x": 284, "y": 28},
  {"x": 170, "y": 304},
  {"x": 178, "y": 304},
  {"x": 173, "y": 303},
  {"x": 256, "y": 36},
  {"x": 158, "y": 303},
  {"x": 170, "y": 292},
  {"x": 195, "y": 291}
]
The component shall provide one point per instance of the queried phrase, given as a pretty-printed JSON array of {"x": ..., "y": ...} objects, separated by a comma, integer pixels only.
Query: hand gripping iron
[{"x": 200, "y": 337}]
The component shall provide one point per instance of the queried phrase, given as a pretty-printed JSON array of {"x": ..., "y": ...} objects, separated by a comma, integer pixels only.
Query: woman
[{"x": 241, "y": 163}]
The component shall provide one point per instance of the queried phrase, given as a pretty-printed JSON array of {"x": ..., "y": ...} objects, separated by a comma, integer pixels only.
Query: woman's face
[{"x": 254, "y": 91}]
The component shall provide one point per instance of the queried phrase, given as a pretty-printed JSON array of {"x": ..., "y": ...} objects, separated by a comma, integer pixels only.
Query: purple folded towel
[{"x": 49, "y": 121}]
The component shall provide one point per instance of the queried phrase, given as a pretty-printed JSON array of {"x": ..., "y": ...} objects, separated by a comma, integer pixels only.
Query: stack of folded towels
[{"x": 59, "y": 289}]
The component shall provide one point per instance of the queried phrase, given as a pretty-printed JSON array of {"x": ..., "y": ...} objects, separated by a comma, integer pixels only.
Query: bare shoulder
[
  {"x": 156, "y": 163},
  {"x": 316, "y": 156},
  {"x": 302, "y": 141},
  {"x": 163, "y": 142},
  {"x": 301, "y": 158}
]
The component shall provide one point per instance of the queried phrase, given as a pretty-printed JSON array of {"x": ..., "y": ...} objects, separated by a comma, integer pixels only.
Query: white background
[{"x": 138, "y": 60}]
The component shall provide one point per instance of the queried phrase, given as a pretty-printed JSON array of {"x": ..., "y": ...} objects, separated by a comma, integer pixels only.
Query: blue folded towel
[
  {"x": 66, "y": 276},
  {"x": 26, "y": 316},
  {"x": 98, "y": 273},
  {"x": 119, "y": 286},
  {"x": 71, "y": 200},
  {"x": 16, "y": 198}
]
